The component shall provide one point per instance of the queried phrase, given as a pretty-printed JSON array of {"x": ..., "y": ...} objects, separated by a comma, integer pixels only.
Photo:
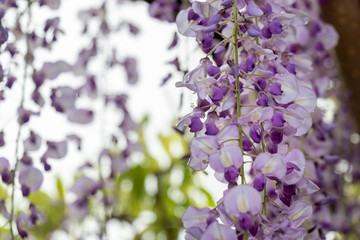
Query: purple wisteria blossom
[{"x": 258, "y": 99}]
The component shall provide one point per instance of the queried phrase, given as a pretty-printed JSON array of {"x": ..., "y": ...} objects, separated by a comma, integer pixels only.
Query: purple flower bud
[
  {"x": 210, "y": 29},
  {"x": 256, "y": 132},
  {"x": 38, "y": 98},
  {"x": 260, "y": 83},
  {"x": 285, "y": 199},
  {"x": 266, "y": 33},
  {"x": 275, "y": 27},
  {"x": 231, "y": 175},
  {"x": 10, "y": 81},
  {"x": 250, "y": 62},
  {"x": 6, "y": 177},
  {"x": 217, "y": 96},
  {"x": 234, "y": 69},
  {"x": 219, "y": 49},
  {"x": 276, "y": 135},
  {"x": 262, "y": 101},
  {"x": 319, "y": 47},
  {"x": 207, "y": 42},
  {"x": 226, "y": 3},
  {"x": 210, "y": 219},
  {"x": 211, "y": 129},
  {"x": 192, "y": 15},
  {"x": 212, "y": 71},
  {"x": 3, "y": 35},
  {"x": 253, "y": 10},
  {"x": 275, "y": 89},
  {"x": 246, "y": 144},
  {"x": 215, "y": 19},
  {"x": 245, "y": 221},
  {"x": 47, "y": 166},
  {"x": 26, "y": 159},
  {"x": 331, "y": 158},
  {"x": 254, "y": 30},
  {"x": 130, "y": 65},
  {"x": 22, "y": 222},
  {"x": 25, "y": 190},
  {"x": 267, "y": 8},
  {"x": 203, "y": 104},
  {"x": 196, "y": 124},
  {"x": 133, "y": 29},
  {"x": 289, "y": 190},
  {"x": 291, "y": 68},
  {"x": 254, "y": 228},
  {"x": 259, "y": 182},
  {"x": 278, "y": 119},
  {"x": 242, "y": 28},
  {"x": 2, "y": 139}
]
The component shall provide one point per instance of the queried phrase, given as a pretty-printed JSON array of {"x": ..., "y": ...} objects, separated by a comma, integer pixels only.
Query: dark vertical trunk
[{"x": 345, "y": 16}]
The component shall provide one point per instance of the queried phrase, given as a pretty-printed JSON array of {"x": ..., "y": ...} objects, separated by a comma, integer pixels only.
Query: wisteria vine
[
  {"x": 289, "y": 171},
  {"x": 257, "y": 123}
]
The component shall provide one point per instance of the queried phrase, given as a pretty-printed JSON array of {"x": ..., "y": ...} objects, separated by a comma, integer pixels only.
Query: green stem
[
  {"x": 263, "y": 149},
  {"x": 238, "y": 87},
  {"x": 18, "y": 135}
]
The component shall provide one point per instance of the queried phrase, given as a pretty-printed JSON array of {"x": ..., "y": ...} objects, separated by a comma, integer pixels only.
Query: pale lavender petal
[
  {"x": 31, "y": 177},
  {"x": 56, "y": 150},
  {"x": 130, "y": 65},
  {"x": 204, "y": 9},
  {"x": 253, "y": 10},
  {"x": 204, "y": 87},
  {"x": 32, "y": 143},
  {"x": 63, "y": 98},
  {"x": 52, "y": 70},
  {"x": 228, "y": 156},
  {"x": 81, "y": 116},
  {"x": 306, "y": 187},
  {"x": 183, "y": 25},
  {"x": 299, "y": 118},
  {"x": 289, "y": 88},
  {"x": 22, "y": 223},
  {"x": 218, "y": 231},
  {"x": 307, "y": 99},
  {"x": 196, "y": 217},
  {"x": 299, "y": 212},
  {"x": 4, "y": 164},
  {"x": 242, "y": 199},
  {"x": 193, "y": 233},
  {"x": 297, "y": 158},
  {"x": 240, "y": 4},
  {"x": 272, "y": 165},
  {"x": 85, "y": 186}
]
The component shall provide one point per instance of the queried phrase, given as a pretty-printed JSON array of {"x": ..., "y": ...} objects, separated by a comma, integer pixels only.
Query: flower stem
[
  {"x": 263, "y": 149},
  {"x": 236, "y": 51},
  {"x": 18, "y": 135}
]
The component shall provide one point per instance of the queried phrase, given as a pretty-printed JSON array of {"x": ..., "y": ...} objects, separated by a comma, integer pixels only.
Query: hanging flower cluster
[
  {"x": 20, "y": 44},
  {"x": 267, "y": 63}
]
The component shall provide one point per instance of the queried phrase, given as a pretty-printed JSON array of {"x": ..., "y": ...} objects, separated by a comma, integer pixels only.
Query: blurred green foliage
[{"x": 149, "y": 186}]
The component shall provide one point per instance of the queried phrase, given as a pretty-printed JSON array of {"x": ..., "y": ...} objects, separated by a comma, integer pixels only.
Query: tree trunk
[{"x": 345, "y": 16}]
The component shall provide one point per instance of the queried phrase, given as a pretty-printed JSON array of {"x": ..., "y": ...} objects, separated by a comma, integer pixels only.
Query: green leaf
[{"x": 60, "y": 189}]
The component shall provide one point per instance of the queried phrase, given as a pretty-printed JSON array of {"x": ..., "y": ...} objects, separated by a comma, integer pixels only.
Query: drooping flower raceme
[{"x": 257, "y": 91}]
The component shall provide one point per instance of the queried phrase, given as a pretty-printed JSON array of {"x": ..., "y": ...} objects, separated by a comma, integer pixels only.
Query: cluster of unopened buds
[{"x": 267, "y": 63}]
